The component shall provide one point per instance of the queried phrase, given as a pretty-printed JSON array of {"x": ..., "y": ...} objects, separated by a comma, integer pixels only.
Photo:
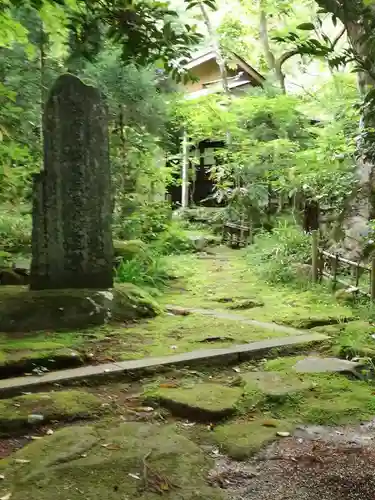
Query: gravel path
[{"x": 317, "y": 463}]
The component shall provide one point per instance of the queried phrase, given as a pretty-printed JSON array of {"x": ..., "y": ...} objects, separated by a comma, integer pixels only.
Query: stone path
[
  {"x": 232, "y": 354},
  {"x": 236, "y": 317}
]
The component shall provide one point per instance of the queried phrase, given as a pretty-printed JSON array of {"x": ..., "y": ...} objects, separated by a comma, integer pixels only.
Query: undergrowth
[{"x": 275, "y": 254}]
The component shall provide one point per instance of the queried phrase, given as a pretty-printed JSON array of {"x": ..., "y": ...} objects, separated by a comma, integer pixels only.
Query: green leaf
[{"x": 306, "y": 26}]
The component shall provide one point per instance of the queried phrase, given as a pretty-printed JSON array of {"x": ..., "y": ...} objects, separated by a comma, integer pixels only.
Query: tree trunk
[{"x": 216, "y": 46}]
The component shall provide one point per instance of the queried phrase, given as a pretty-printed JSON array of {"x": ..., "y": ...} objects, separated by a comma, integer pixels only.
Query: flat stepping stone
[
  {"x": 275, "y": 384},
  {"x": 38, "y": 409},
  {"x": 326, "y": 365},
  {"x": 241, "y": 439},
  {"x": 203, "y": 402}
]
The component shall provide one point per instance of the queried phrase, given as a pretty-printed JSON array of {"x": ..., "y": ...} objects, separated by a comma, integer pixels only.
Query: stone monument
[{"x": 72, "y": 199}]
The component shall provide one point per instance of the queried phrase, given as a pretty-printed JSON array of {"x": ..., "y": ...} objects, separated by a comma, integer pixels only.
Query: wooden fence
[{"x": 322, "y": 261}]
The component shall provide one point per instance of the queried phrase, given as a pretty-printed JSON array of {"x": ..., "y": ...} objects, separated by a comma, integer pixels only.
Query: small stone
[
  {"x": 237, "y": 369},
  {"x": 35, "y": 418},
  {"x": 283, "y": 434},
  {"x": 21, "y": 461},
  {"x": 49, "y": 432},
  {"x": 2, "y": 477}
]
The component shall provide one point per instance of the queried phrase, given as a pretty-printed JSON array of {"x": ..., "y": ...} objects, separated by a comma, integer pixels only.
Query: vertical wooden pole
[
  {"x": 357, "y": 275},
  {"x": 185, "y": 171},
  {"x": 315, "y": 255},
  {"x": 335, "y": 263},
  {"x": 373, "y": 278}
]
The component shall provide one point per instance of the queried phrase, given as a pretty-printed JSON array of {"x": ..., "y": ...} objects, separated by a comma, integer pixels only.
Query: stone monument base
[{"x": 22, "y": 310}]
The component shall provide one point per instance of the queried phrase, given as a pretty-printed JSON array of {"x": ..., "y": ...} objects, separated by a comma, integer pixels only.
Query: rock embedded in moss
[
  {"x": 246, "y": 304},
  {"x": 127, "y": 250},
  {"x": 97, "y": 462},
  {"x": 242, "y": 439},
  {"x": 202, "y": 402},
  {"x": 17, "y": 413},
  {"x": 275, "y": 385},
  {"x": 16, "y": 362},
  {"x": 22, "y": 310}
]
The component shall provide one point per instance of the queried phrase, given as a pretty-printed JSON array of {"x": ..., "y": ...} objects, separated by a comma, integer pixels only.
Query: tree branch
[{"x": 338, "y": 37}]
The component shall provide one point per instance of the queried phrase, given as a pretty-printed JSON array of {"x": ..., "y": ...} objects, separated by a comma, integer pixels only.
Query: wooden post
[
  {"x": 315, "y": 255},
  {"x": 373, "y": 278},
  {"x": 185, "y": 172},
  {"x": 335, "y": 263},
  {"x": 357, "y": 274}
]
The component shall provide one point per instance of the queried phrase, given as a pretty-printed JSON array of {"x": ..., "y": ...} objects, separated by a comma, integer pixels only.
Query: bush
[
  {"x": 147, "y": 269},
  {"x": 15, "y": 231},
  {"x": 173, "y": 240},
  {"x": 146, "y": 222},
  {"x": 274, "y": 255}
]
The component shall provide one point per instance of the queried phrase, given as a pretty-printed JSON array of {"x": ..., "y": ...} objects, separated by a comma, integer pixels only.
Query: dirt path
[{"x": 317, "y": 463}]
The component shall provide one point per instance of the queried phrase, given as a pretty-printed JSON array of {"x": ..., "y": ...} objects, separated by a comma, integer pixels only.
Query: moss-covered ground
[
  {"x": 216, "y": 281},
  {"x": 148, "y": 438}
]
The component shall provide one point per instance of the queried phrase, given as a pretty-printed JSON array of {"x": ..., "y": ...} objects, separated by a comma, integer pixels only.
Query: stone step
[{"x": 228, "y": 355}]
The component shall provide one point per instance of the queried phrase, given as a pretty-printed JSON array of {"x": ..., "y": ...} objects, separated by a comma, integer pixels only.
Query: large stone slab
[
  {"x": 202, "y": 401},
  {"x": 72, "y": 206},
  {"x": 325, "y": 365},
  {"x": 275, "y": 384},
  {"x": 110, "y": 462}
]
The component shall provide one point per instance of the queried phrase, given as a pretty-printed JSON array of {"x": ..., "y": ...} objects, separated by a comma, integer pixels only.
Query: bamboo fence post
[
  {"x": 357, "y": 275},
  {"x": 372, "y": 291},
  {"x": 315, "y": 255},
  {"x": 335, "y": 264}
]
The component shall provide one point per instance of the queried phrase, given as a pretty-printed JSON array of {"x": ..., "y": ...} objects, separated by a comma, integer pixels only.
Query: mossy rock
[
  {"x": 37, "y": 409},
  {"x": 274, "y": 386},
  {"x": 314, "y": 321},
  {"x": 93, "y": 462},
  {"x": 131, "y": 302},
  {"x": 242, "y": 439},
  {"x": 127, "y": 250},
  {"x": 14, "y": 362},
  {"x": 202, "y": 402},
  {"x": 22, "y": 310}
]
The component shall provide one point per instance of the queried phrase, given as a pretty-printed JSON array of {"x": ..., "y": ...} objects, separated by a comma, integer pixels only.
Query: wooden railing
[
  {"x": 323, "y": 261},
  {"x": 237, "y": 235}
]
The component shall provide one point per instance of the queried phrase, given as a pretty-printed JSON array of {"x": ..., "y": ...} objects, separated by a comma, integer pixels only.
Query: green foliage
[
  {"x": 173, "y": 240},
  {"x": 15, "y": 229},
  {"x": 146, "y": 221},
  {"x": 147, "y": 269},
  {"x": 273, "y": 254}
]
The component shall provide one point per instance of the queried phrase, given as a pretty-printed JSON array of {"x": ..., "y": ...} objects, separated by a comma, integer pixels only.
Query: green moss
[
  {"x": 328, "y": 398},
  {"x": 354, "y": 339},
  {"x": 169, "y": 334},
  {"x": 131, "y": 302},
  {"x": 64, "y": 405},
  {"x": 100, "y": 462},
  {"x": 22, "y": 310},
  {"x": 129, "y": 249},
  {"x": 241, "y": 439},
  {"x": 201, "y": 401},
  {"x": 229, "y": 274}
]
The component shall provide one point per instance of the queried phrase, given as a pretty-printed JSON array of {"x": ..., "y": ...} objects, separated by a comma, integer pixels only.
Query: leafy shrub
[
  {"x": 146, "y": 222},
  {"x": 274, "y": 255},
  {"x": 173, "y": 241},
  {"x": 147, "y": 269},
  {"x": 15, "y": 231}
]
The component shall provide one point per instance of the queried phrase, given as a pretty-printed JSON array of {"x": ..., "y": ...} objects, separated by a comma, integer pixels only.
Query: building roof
[{"x": 254, "y": 76}]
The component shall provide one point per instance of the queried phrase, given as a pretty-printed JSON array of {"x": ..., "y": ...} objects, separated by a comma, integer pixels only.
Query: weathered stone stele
[{"x": 72, "y": 208}]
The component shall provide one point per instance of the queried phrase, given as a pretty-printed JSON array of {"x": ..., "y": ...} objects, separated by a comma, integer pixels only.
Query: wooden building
[{"x": 197, "y": 189}]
